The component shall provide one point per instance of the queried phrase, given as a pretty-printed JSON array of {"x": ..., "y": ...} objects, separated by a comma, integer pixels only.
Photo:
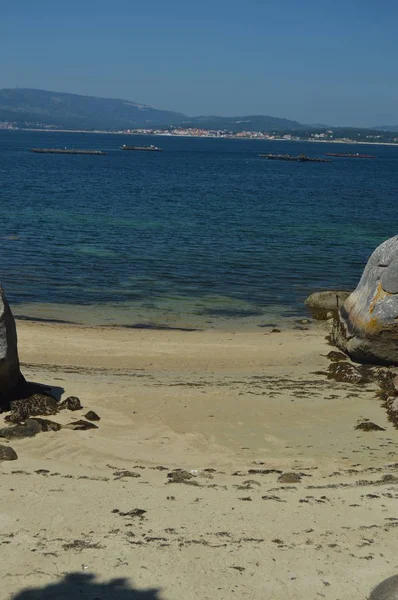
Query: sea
[{"x": 205, "y": 234}]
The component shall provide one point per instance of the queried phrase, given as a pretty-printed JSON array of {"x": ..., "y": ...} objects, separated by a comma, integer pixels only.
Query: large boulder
[
  {"x": 10, "y": 375},
  {"x": 366, "y": 326}
]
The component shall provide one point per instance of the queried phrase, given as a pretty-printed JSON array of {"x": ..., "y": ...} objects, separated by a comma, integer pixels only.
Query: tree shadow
[
  {"x": 82, "y": 586},
  {"x": 386, "y": 590}
]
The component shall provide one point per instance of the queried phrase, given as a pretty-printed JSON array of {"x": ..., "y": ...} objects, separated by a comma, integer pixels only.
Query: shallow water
[{"x": 203, "y": 234}]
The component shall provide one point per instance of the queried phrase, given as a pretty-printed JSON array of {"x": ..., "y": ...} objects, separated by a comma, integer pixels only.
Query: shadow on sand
[
  {"x": 386, "y": 590},
  {"x": 28, "y": 388},
  {"x": 82, "y": 586}
]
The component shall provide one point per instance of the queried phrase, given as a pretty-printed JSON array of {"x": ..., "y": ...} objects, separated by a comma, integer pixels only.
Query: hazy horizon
[{"x": 333, "y": 65}]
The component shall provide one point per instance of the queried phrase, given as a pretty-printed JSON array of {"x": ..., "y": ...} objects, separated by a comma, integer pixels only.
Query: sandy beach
[{"x": 84, "y": 510}]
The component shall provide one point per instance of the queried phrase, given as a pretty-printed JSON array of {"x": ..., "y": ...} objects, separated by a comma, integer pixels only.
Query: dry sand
[{"x": 235, "y": 410}]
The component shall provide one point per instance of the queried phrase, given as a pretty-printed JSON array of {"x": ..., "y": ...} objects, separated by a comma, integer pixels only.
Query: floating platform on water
[
  {"x": 66, "y": 151},
  {"x": 142, "y": 148},
  {"x": 349, "y": 155},
  {"x": 288, "y": 157}
]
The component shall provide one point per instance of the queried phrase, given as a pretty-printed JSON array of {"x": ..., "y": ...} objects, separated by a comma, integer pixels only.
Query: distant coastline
[{"x": 209, "y": 137}]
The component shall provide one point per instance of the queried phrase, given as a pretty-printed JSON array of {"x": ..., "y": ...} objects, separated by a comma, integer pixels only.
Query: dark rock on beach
[
  {"x": 369, "y": 426},
  {"x": 7, "y": 453},
  {"x": 37, "y": 404},
  {"x": 80, "y": 425},
  {"x": 135, "y": 512},
  {"x": 366, "y": 326},
  {"x": 71, "y": 403},
  {"x": 28, "y": 429},
  {"x": 91, "y": 416},
  {"x": 47, "y": 425}
]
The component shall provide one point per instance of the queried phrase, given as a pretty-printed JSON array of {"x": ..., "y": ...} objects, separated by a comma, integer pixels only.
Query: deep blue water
[{"x": 204, "y": 229}]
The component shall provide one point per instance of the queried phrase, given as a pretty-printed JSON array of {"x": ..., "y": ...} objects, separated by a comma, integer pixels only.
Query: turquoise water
[{"x": 205, "y": 233}]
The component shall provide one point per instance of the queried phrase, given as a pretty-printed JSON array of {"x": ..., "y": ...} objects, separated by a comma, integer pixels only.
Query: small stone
[
  {"x": 275, "y": 330},
  {"x": 369, "y": 426},
  {"x": 181, "y": 476},
  {"x": 80, "y": 425},
  {"x": 91, "y": 416},
  {"x": 335, "y": 356},
  {"x": 71, "y": 403},
  {"x": 289, "y": 478},
  {"x": 7, "y": 453}
]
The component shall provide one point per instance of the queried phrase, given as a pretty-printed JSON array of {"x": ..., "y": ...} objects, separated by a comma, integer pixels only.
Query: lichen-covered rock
[
  {"x": 71, "y": 403},
  {"x": 346, "y": 372},
  {"x": 322, "y": 303},
  {"x": 366, "y": 326},
  {"x": 10, "y": 374},
  {"x": 37, "y": 404},
  {"x": 7, "y": 453}
]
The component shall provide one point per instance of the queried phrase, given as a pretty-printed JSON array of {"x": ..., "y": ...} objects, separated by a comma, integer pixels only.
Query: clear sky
[{"x": 317, "y": 61}]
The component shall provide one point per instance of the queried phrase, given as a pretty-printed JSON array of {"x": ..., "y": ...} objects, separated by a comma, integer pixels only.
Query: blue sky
[{"x": 324, "y": 61}]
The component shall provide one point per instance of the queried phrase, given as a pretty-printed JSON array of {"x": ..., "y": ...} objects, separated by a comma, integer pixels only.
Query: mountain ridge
[{"x": 79, "y": 111}]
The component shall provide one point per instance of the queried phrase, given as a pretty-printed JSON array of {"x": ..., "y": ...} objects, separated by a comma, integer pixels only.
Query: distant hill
[
  {"x": 248, "y": 123},
  {"x": 72, "y": 111},
  {"x": 386, "y": 128}
]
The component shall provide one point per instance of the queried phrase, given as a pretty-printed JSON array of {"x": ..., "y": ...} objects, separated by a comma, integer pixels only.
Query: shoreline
[
  {"x": 304, "y": 323},
  {"x": 184, "y": 316}
]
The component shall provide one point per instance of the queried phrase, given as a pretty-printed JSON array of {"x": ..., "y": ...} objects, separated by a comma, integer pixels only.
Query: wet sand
[{"x": 235, "y": 411}]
